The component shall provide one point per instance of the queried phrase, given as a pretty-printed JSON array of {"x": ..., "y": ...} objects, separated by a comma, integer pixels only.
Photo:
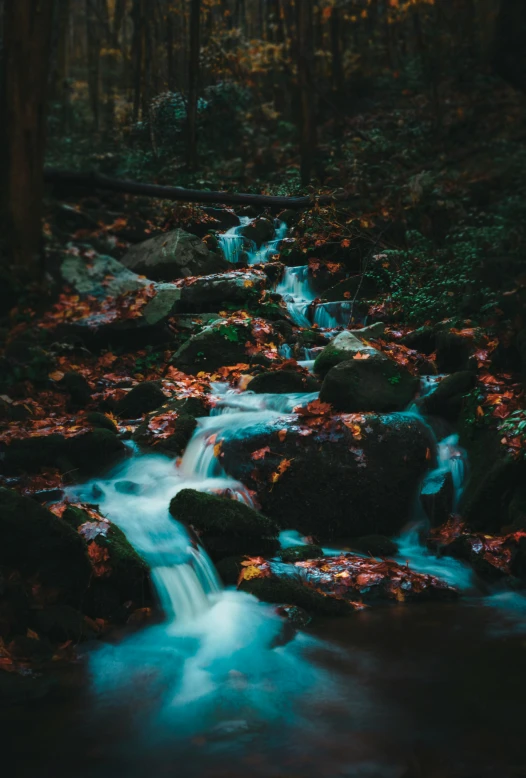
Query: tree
[
  {"x": 28, "y": 26},
  {"x": 305, "y": 58},
  {"x": 510, "y": 56},
  {"x": 193, "y": 80}
]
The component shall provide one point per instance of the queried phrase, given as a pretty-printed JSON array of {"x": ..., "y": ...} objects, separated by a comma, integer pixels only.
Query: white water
[
  {"x": 234, "y": 244},
  {"x": 296, "y": 290}
]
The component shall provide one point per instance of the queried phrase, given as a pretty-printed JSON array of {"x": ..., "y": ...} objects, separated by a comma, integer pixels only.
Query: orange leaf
[{"x": 260, "y": 453}]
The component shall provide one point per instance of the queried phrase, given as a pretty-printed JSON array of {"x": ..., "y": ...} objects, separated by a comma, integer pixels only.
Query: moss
[
  {"x": 37, "y": 544},
  {"x": 219, "y": 515},
  {"x": 31, "y": 454},
  {"x": 289, "y": 591},
  {"x": 301, "y": 553},
  {"x": 229, "y": 569},
  {"x": 375, "y": 384},
  {"x": 94, "y": 451},
  {"x": 101, "y": 421},
  {"x": 329, "y": 357}
]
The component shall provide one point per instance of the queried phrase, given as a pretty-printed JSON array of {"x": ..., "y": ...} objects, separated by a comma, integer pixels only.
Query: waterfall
[
  {"x": 234, "y": 244},
  {"x": 295, "y": 288}
]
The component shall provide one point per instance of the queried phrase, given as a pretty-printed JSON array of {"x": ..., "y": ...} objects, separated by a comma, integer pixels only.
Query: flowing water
[{"x": 223, "y": 687}]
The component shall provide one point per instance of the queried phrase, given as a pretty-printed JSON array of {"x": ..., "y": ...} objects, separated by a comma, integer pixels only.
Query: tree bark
[
  {"x": 65, "y": 180},
  {"x": 28, "y": 28},
  {"x": 509, "y": 54},
  {"x": 93, "y": 35},
  {"x": 193, "y": 81},
  {"x": 305, "y": 57}
]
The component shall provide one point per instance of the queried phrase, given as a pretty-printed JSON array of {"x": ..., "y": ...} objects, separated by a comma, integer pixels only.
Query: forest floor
[{"x": 430, "y": 242}]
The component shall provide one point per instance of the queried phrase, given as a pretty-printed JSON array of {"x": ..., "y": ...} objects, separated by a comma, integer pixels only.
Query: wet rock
[
  {"x": 437, "y": 496},
  {"x": 145, "y": 397},
  {"x": 224, "y": 219},
  {"x": 173, "y": 255},
  {"x": 455, "y": 352},
  {"x": 62, "y": 622},
  {"x": 287, "y": 590},
  {"x": 78, "y": 388},
  {"x": 165, "y": 302},
  {"x": 350, "y": 486},
  {"x": 42, "y": 547},
  {"x": 300, "y": 553},
  {"x": 446, "y": 399},
  {"x": 226, "y": 527},
  {"x": 171, "y": 427},
  {"x": 101, "y": 421},
  {"x": 422, "y": 339},
  {"x": 18, "y": 689},
  {"x": 343, "y": 347},
  {"x": 31, "y": 649},
  {"x": 259, "y": 231},
  {"x": 220, "y": 343},
  {"x": 101, "y": 276},
  {"x": 376, "y": 545},
  {"x": 87, "y": 454},
  {"x": 229, "y": 569},
  {"x": 283, "y": 382},
  {"x": 375, "y": 384},
  {"x": 297, "y": 616},
  {"x": 214, "y": 292}
]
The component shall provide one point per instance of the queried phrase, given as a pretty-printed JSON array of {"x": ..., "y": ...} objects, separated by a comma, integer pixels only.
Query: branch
[{"x": 93, "y": 181}]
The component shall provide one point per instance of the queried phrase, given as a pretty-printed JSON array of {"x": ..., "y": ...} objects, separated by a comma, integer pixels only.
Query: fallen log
[{"x": 93, "y": 181}]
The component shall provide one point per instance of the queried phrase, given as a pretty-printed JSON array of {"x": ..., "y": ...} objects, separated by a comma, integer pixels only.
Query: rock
[
  {"x": 290, "y": 216},
  {"x": 343, "y": 347},
  {"x": 144, "y": 398},
  {"x": 285, "y": 590},
  {"x": 178, "y": 417},
  {"x": 213, "y": 292},
  {"x": 260, "y": 231},
  {"x": 301, "y": 553},
  {"x": 100, "y": 276},
  {"x": 173, "y": 255},
  {"x": 101, "y": 421},
  {"x": 77, "y": 387},
  {"x": 88, "y": 453},
  {"x": 225, "y": 524},
  {"x": 376, "y": 330},
  {"x": 422, "y": 339},
  {"x": 283, "y": 382},
  {"x": 62, "y": 622},
  {"x": 224, "y": 219},
  {"x": 437, "y": 496},
  {"x": 229, "y": 569},
  {"x": 218, "y": 344},
  {"x": 377, "y": 545},
  {"x": 31, "y": 649},
  {"x": 349, "y": 487},
  {"x": 446, "y": 399},
  {"x": 42, "y": 547},
  {"x": 165, "y": 303},
  {"x": 351, "y": 287},
  {"x": 455, "y": 352},
  {"x": 375, "y": 384}
]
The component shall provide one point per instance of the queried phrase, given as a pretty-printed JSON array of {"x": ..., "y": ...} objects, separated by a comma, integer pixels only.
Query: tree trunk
[
  {"x": 305, "y": 58},
  {"x": 60, "y": 87},
  {"x": 193, "y": 81},
  {"x": 336, "y": 52},
  {"x": 510, "y": 55},
  {"x": 93, "y": 35},
  {"x": 28, "y": 28}
]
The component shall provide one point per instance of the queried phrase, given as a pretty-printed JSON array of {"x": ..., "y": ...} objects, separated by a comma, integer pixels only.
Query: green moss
[
  {"x": 329, "y": 357},
  {"x": 218, "y": 515}
]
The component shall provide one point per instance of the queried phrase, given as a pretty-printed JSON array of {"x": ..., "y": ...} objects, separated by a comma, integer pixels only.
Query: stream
[{"x": 223, "y": 688}]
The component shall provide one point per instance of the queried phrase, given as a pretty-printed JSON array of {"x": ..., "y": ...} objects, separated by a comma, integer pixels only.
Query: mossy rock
[
  {"x": 210, "y": 513},
  {"x": 446, "y": 400},
  {"x": 286, "y": 590},
  {"x": 301, "y": 553},
  {"x": 94, "y": 451},
  {"x": 101, "y": 421},
  {"x": 186, "y": 412},
  {"x": 283, "y": 382},
  {"x": 259, "y": 231},
  {"x": 144, "y": 398},
  {"x": 343, "y": 347},
  {"x": 220, "y": 343},
  {"x": 31, "y": 454},
  {"x": 77, "y": 387},
  {"x": 39, "y": 545},
  {"x": 229, "y": 569},
  {"x": 368, "y": 385}
]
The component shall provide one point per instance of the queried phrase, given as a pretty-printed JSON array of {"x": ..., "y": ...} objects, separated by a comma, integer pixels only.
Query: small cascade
[
  {"x": 297, "y": 293},
  {"x": 268, "y": 249},
  {"x": 329, "y": 316},
  {"x": 234, "y": 244}
]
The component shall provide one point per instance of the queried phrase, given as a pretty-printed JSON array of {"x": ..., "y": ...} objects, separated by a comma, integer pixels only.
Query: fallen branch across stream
[{"x": 94, "y": 181}]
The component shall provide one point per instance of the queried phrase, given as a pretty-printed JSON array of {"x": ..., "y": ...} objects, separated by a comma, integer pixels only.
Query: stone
[
  {"x": 77, "y": 387},
  {"x": 100, "y": 277},
  {"x": 348, "y": 487},
  {"x": 343, "y": 347},
  {"x": 446, "y": 399},
  {"x": 213, "y": 292},
  {"x": 301, "y": 553},
  {"x": 374, "y": 384},
  {"x": 283, "y": 382},
  {"x": 162, "y": 305},
  {"x": 42, "y": 548},
  {"x": 218, "y": 344},
  {"x": 377, "y": 545},
  {"x": 260, "y": 231},
  {"x": 143, "y": 398},
  {"x": 185, "y": 414},
  {"x": 173, "y": 255}
]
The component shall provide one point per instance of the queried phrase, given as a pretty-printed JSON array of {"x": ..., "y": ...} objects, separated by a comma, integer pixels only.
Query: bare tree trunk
[
  {"x": 60, "y": 86},
  {"x": 336, "y": 51},
  {"x": 193, "y": 81},
  {"x": 28, "y": 28},
  {"x": 510, "y": 56},
  {"x": 94, "y": 44},
  {"x": 305, "y": 58},
  {"x": 138, "y": 54}
]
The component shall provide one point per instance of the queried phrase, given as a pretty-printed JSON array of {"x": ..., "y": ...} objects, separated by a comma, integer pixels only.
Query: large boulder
[
  {"x": 446, "y": 400},
  {"x": 226, "y": 527},
  {"x": 343, "y": 347},
  {"x": 100, "y": 276},
  {"x": 42, "y": 548},
  {"x": 338, "y": 476},
  {"x": 173, "y": 255},
  {"x": 376, "y": 383}
]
